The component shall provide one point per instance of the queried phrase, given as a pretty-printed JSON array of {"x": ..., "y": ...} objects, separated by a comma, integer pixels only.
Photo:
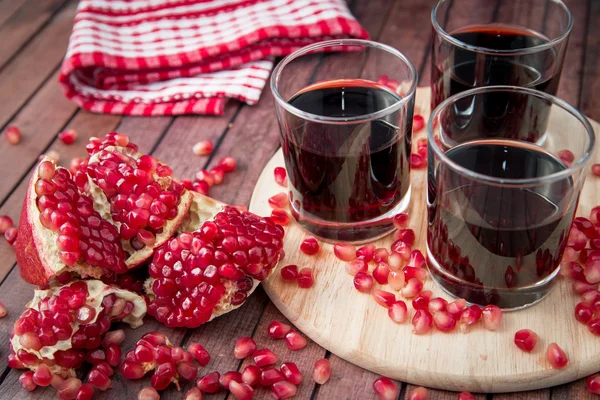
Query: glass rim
[
  {"x": 584, "y": 160},
  {"x": 343, "y": 120},
  {"x": 527, "y": 50}
]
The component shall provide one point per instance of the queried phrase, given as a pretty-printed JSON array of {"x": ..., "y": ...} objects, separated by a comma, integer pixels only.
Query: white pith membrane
[
  {"x": 102, "y": 206},
  {"x": 97, "y": 290}
]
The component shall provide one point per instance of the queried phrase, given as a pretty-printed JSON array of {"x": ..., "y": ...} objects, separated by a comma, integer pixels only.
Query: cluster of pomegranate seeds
[
  {"x": 303, "y": 277},
  {"x": 95, "y": 144},
  {"x": 280, "y": 176},
  {"x": 385, "y": 389},
  {"x": 309, "y": 246},
  {"x": 192, "y": 272},
  {"x": 68, "y": 136},
  {"x": 203, "y": 148},
  {"x": 205, "y": 179},
  {"x": 12, "y": 135},
  {"x": 82, "y": 233}
]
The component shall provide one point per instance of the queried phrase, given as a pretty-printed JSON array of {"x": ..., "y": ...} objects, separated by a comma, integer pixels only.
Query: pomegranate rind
[
  {"x": 97, "y": 290},
  {"x": 35, "y": 248},
  {"x": 102, "y": 205},
  {"x": 202, "y": 209}
]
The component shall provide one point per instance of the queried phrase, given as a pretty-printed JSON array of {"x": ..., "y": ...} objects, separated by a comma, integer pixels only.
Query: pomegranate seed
[
  {"x": 556, "y": 356},
  {"x": 363, "y": 282},
  {"x": 270, "y": 375},
  {"x": 583, "y": 312},
  {"x": 417, "y": 260},
  {"x": 491, "y": 317},
  {"x": 309, "y": 246},
  {"x": 193, "y": 394},
  {"x": 69, "y": 389},
  {"x": 30, "y": 340},
  {"x": 228, "y": 164},
  {"x": 443, "y": 321},
  {"x": 383, "y": 298},
  {"x": 582, "y": 287},
  {"x": 344, "y": 251},
  {"x": 113, "y": 337},
  {"x": 99, "y": 380},
  {"x": 381, "y": 255},
  {"x": 321, "y": 371},
  {"x": 366, "y": 252},
  {"x": 26, "y": 381},
  {"x": 592, "y": 384},
  {"x": 280, "y": 216},
  {"x": 85, "y": 392},
  {"x": 417, "y": 162},
  {"x": 251, "y": 375},
  {"x": 204, "y": 175},
  {"x": 280, "y": 176},
  {"x": 228, "y": 377},
  {"x": 209, "y": 383},
  {"x": 456, "y": 307},
  {"x": 357, "y": 265},
  {"x": 422, "y": 321},
  {"x": 113, "y": 355},
  {"x": 419, "y": 393},
  {"x": 413, "y": 287},
  {"x": 199, "y": 353},
  {"x": 469, "y": 316},
  {"x": 42, "y": 375},
  {"x": 95, "y": 356},
  {"x": 104, "y": 368},
  {"x": 421, "y": 302},
  {"x": 381, "y": 273},
  {"x": 241, "y": 391},
  {"x": 594, "y": 326},
  {"x": 405, "y": 235},
  {"x": 13, "y": 136},
  {"x": 202, "y": 148},
  {"x": 414, "y": 272},
  {"x": 592, "y": 271},
  {"x": 289, "y": 272},
  {"x": 277, "y": 329},
  {"x": 201, "y": 187},
  {"x": 283, "y": 390},
  {"x": 400, "y": 221},
  {"x": 465, "y": 396},
  {"x": 577, "y": 240},
  {"x": 402, "y": 249},
  {"x": 398, "y": 312},
  {"x": 294, "y": 340},
  {"x": 11, "y": 235},
  {"x": 566, "y": 156},
  {"x": 590, "y": 297},
  {"x": 148, "y": 393},
  {"x": 418, "y": 123},
  {"x": 526, "y": 339},
  {"x": 68, "y": 136},
  {"x": 305, "y": 278},
  {"x": 264, "y": 357},
  {"x": 218, "y": 174},
  {"x": 244, "y": 346},
  {"x": 291, "y": 372},
  {"x": 596, "y": 169},
  {"x": 437, "y": 304},
  {"x": 280, "y": 200},
  {"x": 572, "y": 270},
  {"x": 5, "y": 223},
  {"x": 53, "y": 155},
  {"x": 385, "y": 389},
  {"x": 396, "y": 280},
  {"x": 2, "y": 310}
]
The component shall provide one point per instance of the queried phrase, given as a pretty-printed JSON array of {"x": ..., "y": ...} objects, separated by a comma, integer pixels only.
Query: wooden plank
[
  {"x": 26, "y": 72},
  {"x": 590, "y": 101},
  {"x": 575, "y": 390},
  {"x": 25, "y": 23},
  {"x": 8, "y": 8},
  {"x": 440, "y": 394},
  {"x": 532, "y": 395}
]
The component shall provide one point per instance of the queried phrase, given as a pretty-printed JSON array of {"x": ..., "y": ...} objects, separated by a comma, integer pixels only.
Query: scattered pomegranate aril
[
  {"x": 280, "y": 176},
  {"x": 556, "y": 356},
  {"x": 228, "y": 164},
  {"x": 280, "y": 216},
  {"x": 491, "y": 316},
  {"x": 291, "y": 372},
  {"x": 400, "y": 220},
  {"x": 11, "y": 235},
  {"x": 421, "y": 302},
  {"x": 305, "y": 278},
  {"x": 402, "y": 248},
  {"x": 12, "y": 135},
  {"x": 201, "y": 187},
  {"x": 295, "y": 341},
  {"x": 68, "y": 136},
  {"x": 357, "y": 265},
  {"x": 289, "y": 273},
  {"x": 414, "y": 272},
  {"x": 456, "y": 307},
  {"x": 277, "y": 329},
  {"x": 437, "y": 304},
  {"x": 199, "y": 353},
  {"x": 465, "y": 396},
  {"x": 26, "y": 381},
  {"x": 69, "y": 389},
  {"x": 381, "y": 273},
  {"x": 202, "y": 148},
  {"x": 344, "y": 251},
  {"x": 309, "y": 246},
  {"x": 443, "y": 321},
  {"x": 592, "y": 384},
  {"x": 405, "y": 235},
  {"x": 419, "y": 393},
  {"x": 209, "y": 383},
  {"x": 583, "y": 312},
  {"x": 385, "y": 389},
  {"x": 229, "y": 377},
  {"x": 42, "y": 375},
  {"x": 381, "y": 255},
  {"x": 193, "y": 394},
  {"x": 398, "y": 312},
  {"x": 113, "y": 337},
  {"x": 469, "y": 316},
  {"x": 244, "y": 346},
  {"x": 596, "y": 169},
  {"x": 283, "y": 390},
  {"x": 85, "y": 392},
  {"x": 204, "y": 175},
  {"x": 566, "y": 156},
  {"x": 526, "y": 339},
  {"x": 321, "y": 371},
  {"x": 271, "y": 375},
  {"x": 148, "y": 393},
  {"x": 383, "y": 298},
  {"x": 417, "y": 260},
  {"x": 582, "y": 287},
  {"x": 418, "y": 123},
  {"x": 593, "y": 326},
  {"x": 264, "y": 357},
  {"x": 99, "y": 380},
  {"x": 413, "y": 287},
  {"x": 251, "y": 375},
  {"x": 396, "y": 280},
  {"x": 5, "y": 223},
  {"x": 280, "y": 200},
  {"x": 241, "y": 391},
  {"x": 366, "y": 252},
  {"x": 422, "y": 321},
  {"x": 363, "y": 282},
  {"x": 417, "y": 162},
  {"x": 95, "y": 356}
]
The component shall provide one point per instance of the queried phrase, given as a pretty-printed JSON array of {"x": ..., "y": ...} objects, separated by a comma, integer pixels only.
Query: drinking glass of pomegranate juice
[
  {"x": 524, "y": 45},
  {"x": 500, "y": 208},
  {"x": 345, "y": 110}
]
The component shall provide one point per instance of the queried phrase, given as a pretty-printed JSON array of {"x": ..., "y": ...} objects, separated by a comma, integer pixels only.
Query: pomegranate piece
[
  {"x": 280, "y": 200},
  {"x": 148, "y": 393},
  {"x": 556, "y": 356},
  {"x": 381, "y": 273},
  {"x": 443, "y": 321},
  {"x": 271, "y": 375},
  {"x": 26, "y": 381},
  {"x": 241, "y": 391},
  {"x": 283, "y": 390},
  {"x": 418, "y": 123},
  {"x": 202, "y": 148},
  {"x": 244, "y": 346},
  {"x": 526, "y": 339},
  {"x": 366, "y": 252},
  {"x": 280, "y": 216},
  {"x": 491, "y": 317},
  {"x": 344, "y": 251},
  {"x": 294, "y": 340},
  {"x": 357, "y": 265},
  {"x": 291, "y": 372},
  {"x": 85, "y": 392},
  {"x": 321, "y": 371},
  {"x": 251, "y": 375},
  {"x": 280, "y": 176},
  {"x": 209, "y": 383},
  {"x": 277, "y": 329},
  {"x": 363, "y": 282},
  {"x": 198, "y": 276},
  {"x": 465, "y": 396},
  {"x": 469, "y": 316},
  {"x": 193, "y": 394},
  {"x": 383, "y": 298},
  {"x": 419, "y": 393},
  {"x": 264, "y": 357},
  {"x": 385, "y": 389},
  {"x": 592, "y": 384},
  {"x": 199, "y": 353},
  {"x": 422, "y": 321},
  {"x": 413, "y": 287},
  {"x": 5, "y": 223},
  {"x": 289, "y": 273},
  {"x": 396, "y": 280},
  {"x": 305, "y": 278},
  {"x": 309, "y": 246},
  {"x": 12, "y": 135},
  {"x": 398, "y": 312},
  {"x": 68, "y": 136}
]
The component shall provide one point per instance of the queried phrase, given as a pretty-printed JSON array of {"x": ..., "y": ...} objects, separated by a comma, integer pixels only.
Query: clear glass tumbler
[
  {"x": 345, "y": 110},
  {"x": 499, "y": 207}
]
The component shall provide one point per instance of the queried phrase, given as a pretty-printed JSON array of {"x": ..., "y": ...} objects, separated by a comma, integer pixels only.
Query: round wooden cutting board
[{"x": 351, "y": 325}]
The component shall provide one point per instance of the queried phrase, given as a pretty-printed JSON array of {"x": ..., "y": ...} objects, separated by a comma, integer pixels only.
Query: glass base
[
  {"x": 354, "y": 232},
  {"x": 508, "y": 299}
]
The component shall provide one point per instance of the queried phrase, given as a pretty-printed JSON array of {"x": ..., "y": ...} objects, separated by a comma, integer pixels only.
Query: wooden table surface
[{"x": 33, "y": 40}]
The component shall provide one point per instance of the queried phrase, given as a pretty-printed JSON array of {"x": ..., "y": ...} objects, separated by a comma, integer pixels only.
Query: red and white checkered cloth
[{"x": 170, "y": 57}]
